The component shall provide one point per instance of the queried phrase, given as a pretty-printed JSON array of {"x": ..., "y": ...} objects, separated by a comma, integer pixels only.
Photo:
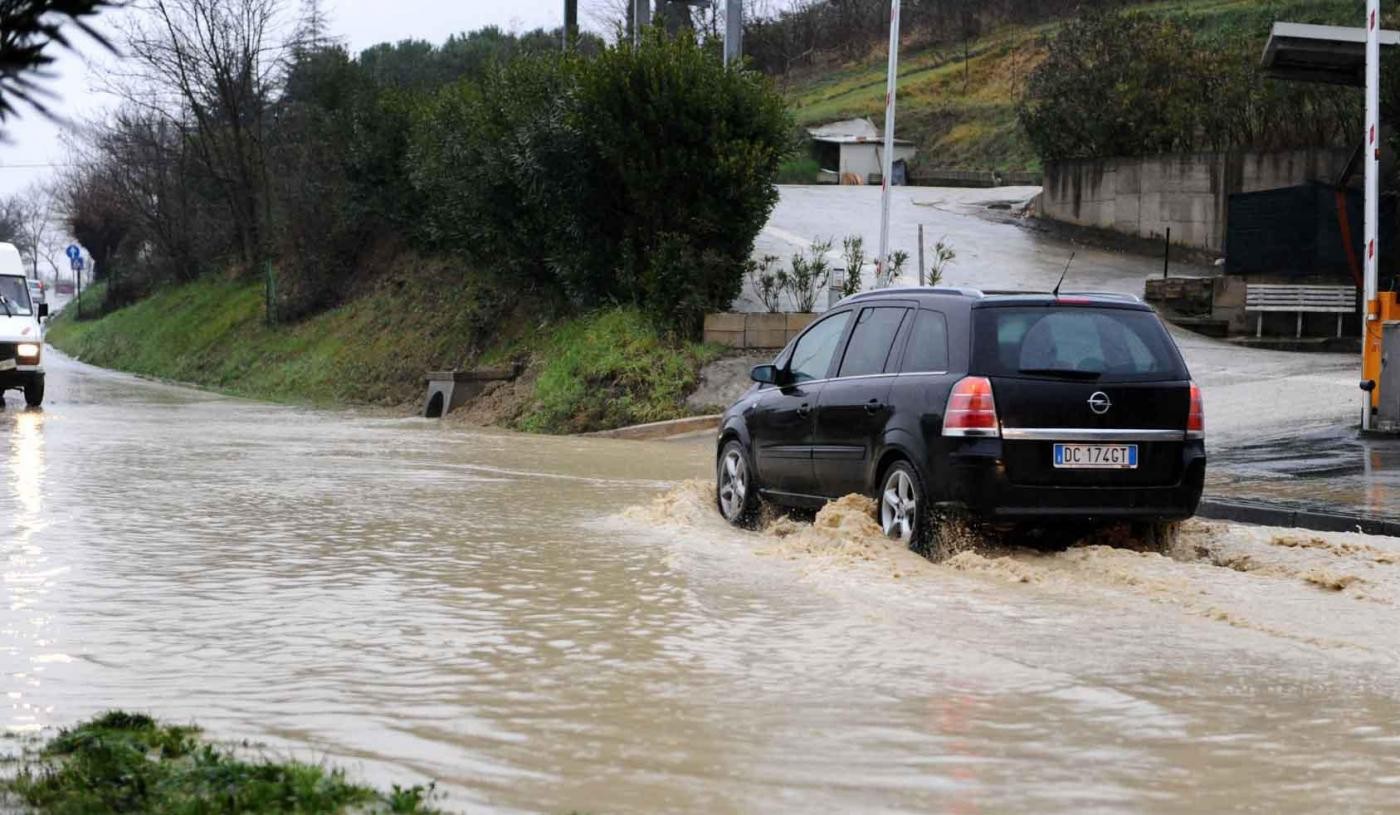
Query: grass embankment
[
  {"x": 964, "y": 115},
  {"x": 123, "y": 762},
  {"x": 593, "y": 372}
]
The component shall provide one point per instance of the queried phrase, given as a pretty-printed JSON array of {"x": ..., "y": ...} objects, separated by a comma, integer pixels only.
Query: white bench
[{"x": 1262, "y": 297}]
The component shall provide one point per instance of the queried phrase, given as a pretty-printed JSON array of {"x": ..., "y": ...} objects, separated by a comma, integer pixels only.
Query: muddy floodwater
[{"x": 547, "y": 624}]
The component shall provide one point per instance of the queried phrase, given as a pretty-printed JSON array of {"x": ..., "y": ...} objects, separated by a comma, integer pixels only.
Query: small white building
[{"x": 853, "y": 152}]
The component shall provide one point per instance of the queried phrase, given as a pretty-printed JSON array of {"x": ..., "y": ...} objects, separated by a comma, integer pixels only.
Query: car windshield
[
  {"x": 16, "y": 293},
  {"x": 1075, "y": 343}
]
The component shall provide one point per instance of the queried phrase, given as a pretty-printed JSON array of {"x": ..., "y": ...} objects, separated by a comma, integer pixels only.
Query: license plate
[
  {"x": 1096, "y": 456},
  {"x": 7, "y": 364}
]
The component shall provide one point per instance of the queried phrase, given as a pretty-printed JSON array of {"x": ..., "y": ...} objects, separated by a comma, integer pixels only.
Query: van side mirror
[
  {"x": 765, "y": 374},
  {"x": 43, "y": 310}
]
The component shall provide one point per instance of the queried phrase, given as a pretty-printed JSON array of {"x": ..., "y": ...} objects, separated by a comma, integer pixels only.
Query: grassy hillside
[
  {"x": 963, "y": 115},
  {"x": 602, "y": 370}
]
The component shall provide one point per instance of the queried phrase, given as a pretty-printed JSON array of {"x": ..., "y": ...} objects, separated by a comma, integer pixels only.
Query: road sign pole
[
  {"x": 887, "y": 171},
  {"x": 1371, "y": 324}
]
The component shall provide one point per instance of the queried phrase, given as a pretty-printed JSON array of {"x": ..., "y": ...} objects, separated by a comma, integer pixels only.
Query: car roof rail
[
  {"x": 898, "y": 290},
  {"x": 1098, "y": 295}
]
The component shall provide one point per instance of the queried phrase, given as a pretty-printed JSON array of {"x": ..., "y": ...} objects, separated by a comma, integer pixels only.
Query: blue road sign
[
  {"x": 74, "y": 252},
  {"x": 77, "y": 264}
]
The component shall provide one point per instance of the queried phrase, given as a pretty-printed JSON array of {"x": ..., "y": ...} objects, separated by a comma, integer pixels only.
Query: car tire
[
  {"x": 736, "y": 489},
  {"x": 901, "y": 507},
  {"x": 1156, "y": 536},
  {"x": 34, "y": 392}
]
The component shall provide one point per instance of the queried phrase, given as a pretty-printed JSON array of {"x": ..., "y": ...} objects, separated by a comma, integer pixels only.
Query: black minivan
[{"x": 1048, "y": 410}]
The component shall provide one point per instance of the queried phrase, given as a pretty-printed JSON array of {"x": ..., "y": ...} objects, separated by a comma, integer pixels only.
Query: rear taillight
[
  {"x": 971, "y": 409},
  {"x": 1196, "y": 417}
]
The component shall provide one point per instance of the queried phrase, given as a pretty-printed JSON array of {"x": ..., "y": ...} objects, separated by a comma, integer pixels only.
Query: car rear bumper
[{"x": 981, "y": 486}]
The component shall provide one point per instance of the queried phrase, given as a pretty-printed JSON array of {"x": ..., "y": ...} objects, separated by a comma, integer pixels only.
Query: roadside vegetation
[
  {"x": 129, "y": 763},
  {"x": 604, "y": 368},
  {"x": 1182, "y": 77},
  {"x": 346, "y": 223}
]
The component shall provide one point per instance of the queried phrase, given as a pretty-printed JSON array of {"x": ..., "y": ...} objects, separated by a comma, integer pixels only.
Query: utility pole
[
  {"x": 733, "y": 31},
  {"x": 641, "y": 18},
  {"x": 1371, "y": 324},
  {"x": 891, "y": 78},
  {"x": 570, "y": 24}
]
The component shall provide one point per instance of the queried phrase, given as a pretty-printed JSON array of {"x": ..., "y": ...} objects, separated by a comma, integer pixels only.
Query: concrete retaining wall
[
  {"x": 754, "y": 330},
  {"x": 1187, "y": 193}
]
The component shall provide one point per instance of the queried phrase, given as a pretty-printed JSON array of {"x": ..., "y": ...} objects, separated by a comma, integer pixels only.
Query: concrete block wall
[
  {"x": 1188, "y": 193},
  {"x": 754, "y": 330}
]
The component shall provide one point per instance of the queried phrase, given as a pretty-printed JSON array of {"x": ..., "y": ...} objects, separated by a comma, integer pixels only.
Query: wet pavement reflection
[
  {"x": 1329, "y": 468},
  {"x": 524, "y": 620}
]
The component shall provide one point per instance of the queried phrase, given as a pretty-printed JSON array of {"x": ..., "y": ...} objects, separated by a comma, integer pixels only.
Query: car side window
[
  {"x": 927, "y": 350},
  {"x": 871, "y": 340},
  {"x": 812, "y": 355}
]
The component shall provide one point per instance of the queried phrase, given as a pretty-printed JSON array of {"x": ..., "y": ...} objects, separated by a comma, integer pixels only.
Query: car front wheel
[
  {"x": 34, "y": 392},
  {"x": 736, "y": 491}
]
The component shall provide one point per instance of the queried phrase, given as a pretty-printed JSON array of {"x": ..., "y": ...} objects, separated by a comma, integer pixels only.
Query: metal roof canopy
[{"x": 1331, "y": 54}]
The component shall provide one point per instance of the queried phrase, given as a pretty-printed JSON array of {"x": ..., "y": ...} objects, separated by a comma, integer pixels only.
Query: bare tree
[
  {"x": 211, "y": 69},
  {"x": 37, "y": 224}
]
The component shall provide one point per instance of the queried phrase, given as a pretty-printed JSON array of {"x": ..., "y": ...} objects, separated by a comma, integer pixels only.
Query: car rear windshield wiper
[{"x": 1068, "y": 373}]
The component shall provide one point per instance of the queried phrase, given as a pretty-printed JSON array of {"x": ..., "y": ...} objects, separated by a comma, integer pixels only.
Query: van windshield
[
  {"x": 1090, "y": 344},
  {"x": 16, "y": 293}
]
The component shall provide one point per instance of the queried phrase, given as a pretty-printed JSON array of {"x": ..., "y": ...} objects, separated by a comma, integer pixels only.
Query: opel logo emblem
[{"x": 1099, "y": 403}]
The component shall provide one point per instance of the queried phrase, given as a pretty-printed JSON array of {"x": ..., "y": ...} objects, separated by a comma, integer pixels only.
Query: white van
[{"x": 21, "y": 334}]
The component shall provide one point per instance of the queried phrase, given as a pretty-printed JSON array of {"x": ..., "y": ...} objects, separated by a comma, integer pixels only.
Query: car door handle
[
  {"x": 873, "y": 406},
  {"x": 804, "y": 409}
]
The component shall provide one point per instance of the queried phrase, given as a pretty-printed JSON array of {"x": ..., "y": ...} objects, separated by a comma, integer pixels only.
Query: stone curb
[
  {"x": 661, "y": 430},
  {"x": 1249, "y": 512}
]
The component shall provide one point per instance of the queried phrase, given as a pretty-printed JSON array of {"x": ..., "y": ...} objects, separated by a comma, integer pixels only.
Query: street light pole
[
  {"x": 891, "y": 77},
  {"x": 733, "y": 30},
  {"x": 1371, "y": 324}
]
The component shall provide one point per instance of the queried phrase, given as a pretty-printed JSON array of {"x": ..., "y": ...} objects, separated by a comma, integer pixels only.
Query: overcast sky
[{"x": 33, "y": 143}]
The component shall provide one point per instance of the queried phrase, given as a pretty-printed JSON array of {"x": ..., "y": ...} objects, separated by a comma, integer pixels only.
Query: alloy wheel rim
[
  {"x": 733, "y": 484},
  {"x": 898, "y": 505}
]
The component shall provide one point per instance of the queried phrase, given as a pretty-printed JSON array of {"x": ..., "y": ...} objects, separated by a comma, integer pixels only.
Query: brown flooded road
[{"x": 524, "y": 620}]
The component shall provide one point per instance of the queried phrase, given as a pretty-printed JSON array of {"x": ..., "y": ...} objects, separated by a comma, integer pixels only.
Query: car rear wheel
[
  {"x": 34, "y": 392},
  {"x": 736, "y": 492},
  {"x": 1156, "y": 536},
  {"x": 903, "y": 516}
]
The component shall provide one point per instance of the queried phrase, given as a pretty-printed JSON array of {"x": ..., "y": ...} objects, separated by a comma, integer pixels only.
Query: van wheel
[
  {"x": 736, "y": 492},
  {"x": 902, "y": 512},
  {"x": 34, "y": 392}
]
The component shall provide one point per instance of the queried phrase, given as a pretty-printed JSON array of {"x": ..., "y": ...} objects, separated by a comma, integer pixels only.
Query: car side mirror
[
  {"x": 43, "y": 310},
  {"x": 765, "y": 374}
]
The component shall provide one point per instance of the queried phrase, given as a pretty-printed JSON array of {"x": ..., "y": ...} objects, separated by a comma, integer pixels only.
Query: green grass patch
[
  {"x": 610, "y": 369},
  {"x": 129, "y": 763},
  {"x": 604, "y": 370},
  {"x": 90, "y": 302},
  {"x": 373, "y": 349},
  {"x": 799, "y": 170}
]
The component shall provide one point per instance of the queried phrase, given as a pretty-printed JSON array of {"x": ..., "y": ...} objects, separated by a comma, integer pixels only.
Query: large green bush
[
  {"x": 1137, "y": 83},
  {"x": 642, "y": 175}
]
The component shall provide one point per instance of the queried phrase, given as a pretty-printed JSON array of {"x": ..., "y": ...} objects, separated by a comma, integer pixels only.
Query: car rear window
[{"x": 1060, "y": 342}]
